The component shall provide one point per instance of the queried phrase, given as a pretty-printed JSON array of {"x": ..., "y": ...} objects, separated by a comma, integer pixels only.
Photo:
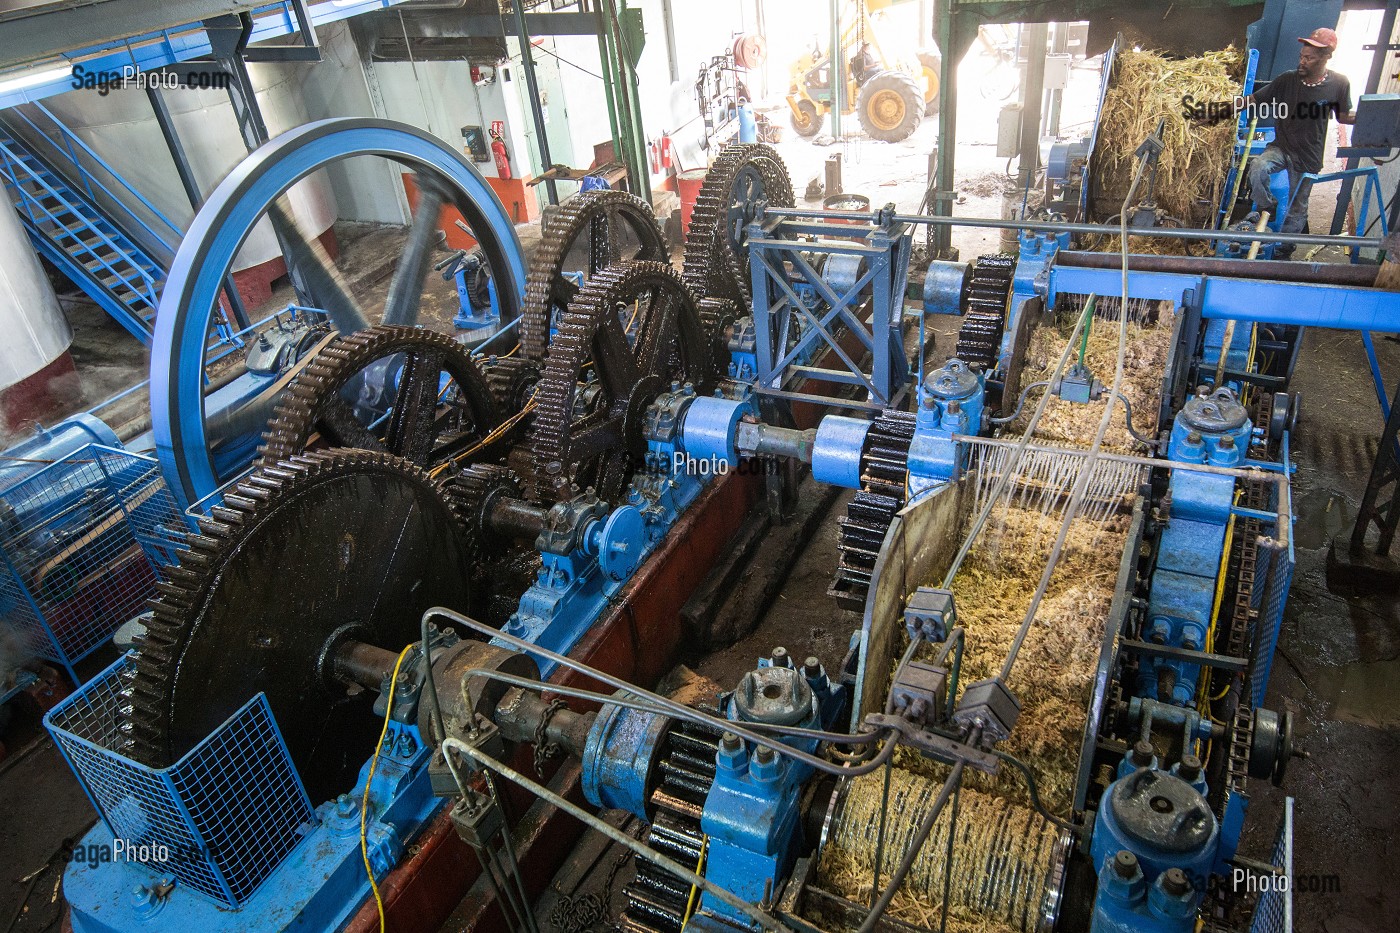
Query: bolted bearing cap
[
  {"x": 777, "y": 695},
  {"x": 1216, "y": 413}
]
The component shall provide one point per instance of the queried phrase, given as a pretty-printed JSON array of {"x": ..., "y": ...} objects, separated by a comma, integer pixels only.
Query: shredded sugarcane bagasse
[
  {"x": 1146, "y": 87},
  {"x": 998, "y": 830}
]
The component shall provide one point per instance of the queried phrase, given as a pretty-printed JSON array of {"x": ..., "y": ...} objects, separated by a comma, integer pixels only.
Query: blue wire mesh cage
[
  {"x": 82, "y": 541},
  {"x": 219, "y": 820}
]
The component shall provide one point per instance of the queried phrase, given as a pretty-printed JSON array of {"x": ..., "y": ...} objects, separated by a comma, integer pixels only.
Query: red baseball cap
[{"x": 1321, "y": 39}]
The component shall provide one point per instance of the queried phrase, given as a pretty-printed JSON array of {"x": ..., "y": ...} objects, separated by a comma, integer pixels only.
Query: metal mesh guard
[
  {"x": 219, "y": 820},
  {"x": 81, "y": 543}
]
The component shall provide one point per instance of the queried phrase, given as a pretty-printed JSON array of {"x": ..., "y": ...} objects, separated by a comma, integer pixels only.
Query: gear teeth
[
  {"x": 301, "y": 406},
  {"x": 577, "y": 216},
  {"x": 883, "y": 472},
  {"x": 984, "y": 310},
  {"x": 712, "y": 268},
  {"x": 147, "y": 683},
  {"x": 550, "y": 436}
]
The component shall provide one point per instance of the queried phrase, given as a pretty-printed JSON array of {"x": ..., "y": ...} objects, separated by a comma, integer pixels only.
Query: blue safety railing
[
  {"x": 81, "y": 547},
  {"x": 72, "y": 232},
  {"x": 219, "y": 820},
  {"x": 91, "y": 170}
]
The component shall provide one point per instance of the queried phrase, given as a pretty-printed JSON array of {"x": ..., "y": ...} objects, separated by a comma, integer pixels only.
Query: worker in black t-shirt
[{"x": 1301, "y": 103}]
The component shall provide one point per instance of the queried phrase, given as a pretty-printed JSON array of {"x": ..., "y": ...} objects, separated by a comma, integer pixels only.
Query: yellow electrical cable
[
  {"x": 496, "y": 434},
  {"x": 364, "y": 802},
  {"x": 699, "y": 864},
  {"x": 1203, "y": 700}
]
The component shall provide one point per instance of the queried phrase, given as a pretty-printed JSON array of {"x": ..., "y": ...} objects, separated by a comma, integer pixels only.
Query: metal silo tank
[
  {"x": 122, "y": 129},
  {"x": 36, "y": 371}
]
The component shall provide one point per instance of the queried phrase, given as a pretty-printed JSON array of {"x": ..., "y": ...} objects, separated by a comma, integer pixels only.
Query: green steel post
[{"x": 838, "y": 57}]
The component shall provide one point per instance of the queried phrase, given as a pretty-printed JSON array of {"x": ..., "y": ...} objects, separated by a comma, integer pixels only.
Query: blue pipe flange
[
  {"x": 223, "y": 224},
  {"x": 710, "y": 428},
  {"x": 618, "y": 542},
  {"x": 836, "y": 450},
  {"x": 620, "y": 756},
  {"x": 944, "y": 284}
]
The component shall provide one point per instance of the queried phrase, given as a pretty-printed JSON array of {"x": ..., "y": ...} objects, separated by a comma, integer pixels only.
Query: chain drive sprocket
[
  {"x": 984, "y": 313},
  {"x": 884, "y": 463}
]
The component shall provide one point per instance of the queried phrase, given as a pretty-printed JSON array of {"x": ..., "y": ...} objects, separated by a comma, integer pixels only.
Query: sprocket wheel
[
  {"x": 601, "y": 444},
  {"x": 379, "y": 390},
  {"x": 746, "y": 180},
  {"x": 330, "y": 544},
  {"x": 606, "y": 218}
]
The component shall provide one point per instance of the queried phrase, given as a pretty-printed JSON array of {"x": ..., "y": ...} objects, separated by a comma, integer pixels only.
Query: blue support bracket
[{"x": 859, "y": 292}]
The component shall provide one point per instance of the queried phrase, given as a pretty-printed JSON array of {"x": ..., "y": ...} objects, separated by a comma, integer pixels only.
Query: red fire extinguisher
[{"x": 498, "y": 150}]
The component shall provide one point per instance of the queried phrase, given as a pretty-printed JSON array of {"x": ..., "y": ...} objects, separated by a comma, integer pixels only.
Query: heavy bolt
[{"x": 1175, "y": 882}]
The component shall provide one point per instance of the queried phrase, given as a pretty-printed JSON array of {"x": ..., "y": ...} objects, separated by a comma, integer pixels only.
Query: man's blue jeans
[{"x": 1267, "y": 163}]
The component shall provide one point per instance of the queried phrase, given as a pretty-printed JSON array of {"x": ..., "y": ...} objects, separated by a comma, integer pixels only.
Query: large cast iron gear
[
  {"x": 603, "y": 216},
  {"x": 512, "y": 381},
  {"x": 884, "y": 466},
  {"x": 317, "y": 406},
  {"x": 330, "y": 545},
  {"x": 602, "y": 444},
  {"x": 744, "y": 181},
  {"x": 984, "y": 314}
]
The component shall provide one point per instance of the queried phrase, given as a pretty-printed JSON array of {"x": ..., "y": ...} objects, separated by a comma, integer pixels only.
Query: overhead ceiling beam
[{"x": 37, "y": 33}]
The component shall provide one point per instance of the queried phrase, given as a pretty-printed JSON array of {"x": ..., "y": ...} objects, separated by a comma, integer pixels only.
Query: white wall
[{"x": 366, "y": 189}]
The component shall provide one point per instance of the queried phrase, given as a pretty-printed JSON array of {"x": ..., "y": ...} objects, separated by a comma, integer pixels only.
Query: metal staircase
[{"x": 73, "y": 220}]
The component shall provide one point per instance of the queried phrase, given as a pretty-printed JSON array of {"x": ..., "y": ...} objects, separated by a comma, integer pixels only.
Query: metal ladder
[{"x": 68, "y": 226}]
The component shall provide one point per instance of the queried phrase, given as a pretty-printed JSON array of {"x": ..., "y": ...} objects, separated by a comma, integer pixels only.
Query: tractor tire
[
  {"x": 891, "y": 106},
  {"x": 931, "y": 64},
  {"x": 811, "y": 122}
]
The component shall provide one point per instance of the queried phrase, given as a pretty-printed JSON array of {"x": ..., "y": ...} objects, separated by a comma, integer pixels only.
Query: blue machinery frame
[
  {"x": 864, "y": 261},
  {"x": 219, "y": 231}
]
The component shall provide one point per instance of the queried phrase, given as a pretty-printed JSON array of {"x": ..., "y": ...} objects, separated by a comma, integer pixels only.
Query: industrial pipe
[
  {"x": 1041, "y": 226},
  {"x": 1312, "y": 273}
]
